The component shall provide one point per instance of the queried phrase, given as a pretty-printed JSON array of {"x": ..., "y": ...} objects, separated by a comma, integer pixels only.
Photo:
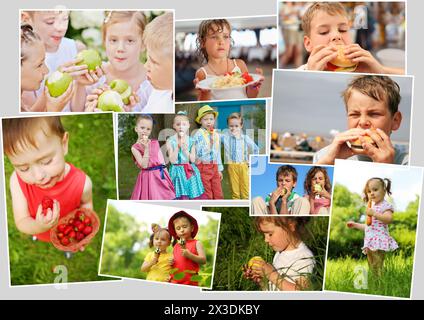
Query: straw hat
[{"x": 203, "y": 111}]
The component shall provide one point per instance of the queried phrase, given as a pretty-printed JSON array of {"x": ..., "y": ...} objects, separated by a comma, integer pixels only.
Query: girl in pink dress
[
  {"x": 318, "y": 190},
  {"x": 153, "y": 181},
  {"x": 188, "y": 252},
  {"x": 379, "y": 214}
]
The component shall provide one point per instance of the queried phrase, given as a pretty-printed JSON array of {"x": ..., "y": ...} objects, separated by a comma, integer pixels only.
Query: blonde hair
[
  {"x": 235, "y": 115},
  {"x": 214, "y": 25},
  {"x": 113, "y": 17},
  {"x": 331, "y": 8},
  {"x": 159, "y": 34},
  {"x": 379, "y": 88},
  {"x": 18, "y": 133},
  {"x": 28, "y": 38}
]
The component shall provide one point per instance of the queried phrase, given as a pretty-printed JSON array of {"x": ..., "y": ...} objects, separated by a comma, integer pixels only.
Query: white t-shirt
[
  {"x": 66, "y": 52},
  {"x": 293, "y": 264},
  {"x": 160, "y": 101}
]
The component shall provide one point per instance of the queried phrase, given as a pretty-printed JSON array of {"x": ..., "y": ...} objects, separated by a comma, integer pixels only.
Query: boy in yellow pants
[{"x": 236, "y": 153}]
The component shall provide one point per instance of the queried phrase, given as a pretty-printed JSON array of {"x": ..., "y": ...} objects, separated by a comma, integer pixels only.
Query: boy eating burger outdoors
[
  {"x": 372, "y": 104},
  {"x": 328, "y": 41}
]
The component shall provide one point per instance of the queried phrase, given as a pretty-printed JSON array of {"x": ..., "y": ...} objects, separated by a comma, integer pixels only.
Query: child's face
[
  {"x": 276, "y": 237},
  {"x": 33, "y": 69},
  {"x": 217, "y": 43},
  {"x": 319, "y": 178},
  {"x": 51, "y": 27},
  {"x": 159, "y": 69},
  {"x": 161, "y": 240},
  {"x": 286, "y": 181},
  {"x": 364, "y": 112},
  {"x": 181, "y": 125},
  {"x": 235, "y": 126},
  {"x": 208, "y": 121},
  {"x": 123, "y": 45},
  {"x": 144, "y": 128},
  {"x": 375, "y": 191},
  {"x": 44, "y": 165},
  {"x": 327, "y": 29},
  {"x": 183, "y": 228}
]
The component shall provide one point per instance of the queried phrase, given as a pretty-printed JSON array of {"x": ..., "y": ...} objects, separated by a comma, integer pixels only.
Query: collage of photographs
[{"x": 290, "y": 134}]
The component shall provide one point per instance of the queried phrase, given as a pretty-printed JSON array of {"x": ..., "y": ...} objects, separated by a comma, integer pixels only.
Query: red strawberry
[
  {"x": 72, "y": 234},
  {"x": 79, "y": 215},
  {"x": 80, "y": 236},
  {"x": 61, "y": 227},
  {"x": 67, "y": 230},
  {"x": 87, "y": 221},
  {"x": 71, "y": 222},
  {"x": 87, "y": 230},
  {"x": 60, "y": 235},
  {"x": 65, "y": 241},
  {"x": 80, "y": 226},
  {"x": 247, "y": 77},
  {"x": 46, "y": 203}
]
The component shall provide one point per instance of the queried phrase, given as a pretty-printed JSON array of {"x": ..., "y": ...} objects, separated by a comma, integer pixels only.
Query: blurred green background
[
  {"x": 126, "y": 244},
  {"x": 239, "y": 241},
  {"x": 91, "y": 149},
  {"x": 345, "y": 248}
]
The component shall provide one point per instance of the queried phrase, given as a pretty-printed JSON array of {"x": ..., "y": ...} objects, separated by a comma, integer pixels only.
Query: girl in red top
[
  {"x": 188, "y": 252},
  {"x": 36, "y": 147}
]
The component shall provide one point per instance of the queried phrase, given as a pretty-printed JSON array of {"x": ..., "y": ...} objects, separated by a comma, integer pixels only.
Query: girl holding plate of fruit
[
  {"x": 318, "y": 190},
  {"x": 213, "y": 45}
]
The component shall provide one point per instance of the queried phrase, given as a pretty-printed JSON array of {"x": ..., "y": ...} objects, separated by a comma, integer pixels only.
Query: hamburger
[
  {"x": 357, "y": 144},
  {"x": 341, "y": 63}
]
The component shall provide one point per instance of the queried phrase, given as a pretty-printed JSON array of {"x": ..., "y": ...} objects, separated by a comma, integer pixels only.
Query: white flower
[
  {"x": 87, "y": 19},
  {"x": 92, "y": 35}
]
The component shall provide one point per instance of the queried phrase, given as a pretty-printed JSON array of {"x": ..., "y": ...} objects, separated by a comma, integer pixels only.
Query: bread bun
[
  {"x": 357, "y": 144},
  {"x": 341, "y": 63}
]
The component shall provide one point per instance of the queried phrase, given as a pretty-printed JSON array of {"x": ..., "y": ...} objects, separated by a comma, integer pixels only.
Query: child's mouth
[
  {"x": 120, "y": 59},
  {"x": 56, "y": 38}
]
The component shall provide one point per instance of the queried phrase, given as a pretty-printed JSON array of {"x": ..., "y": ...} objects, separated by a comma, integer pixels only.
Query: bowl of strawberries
[{"x": 75, "y": 230}]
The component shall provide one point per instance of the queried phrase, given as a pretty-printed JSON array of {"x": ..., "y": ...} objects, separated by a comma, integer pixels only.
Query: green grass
[
  {"x": 395, "y": 280},
  {"x": 90, "y": 149}
]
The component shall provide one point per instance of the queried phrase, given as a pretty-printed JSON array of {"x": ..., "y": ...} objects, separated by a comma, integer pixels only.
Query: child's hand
[
  {"x": 171, "y": 261},
  {"x": 185, "y": 253},
  {"x": 92, "y": 99},
  {"x": 275, "y": 195},
  {"x": 57, "y": 104},
  {"x": 204, "y": 94},
  {"x": 350, "y": 224},
  {"x": 383, "y": 152},
  {"x": 320, "y": 56},
  {"x": 370, "y": 212},
  {"x": 50, "y": 218},
  {"x": 253, "y": 89},
  {"x": 133, "y": 100},
  {"x": 366, "y": 62},
  {"x": 338, "y": 149},
  {"x": 81, "y": 73}
]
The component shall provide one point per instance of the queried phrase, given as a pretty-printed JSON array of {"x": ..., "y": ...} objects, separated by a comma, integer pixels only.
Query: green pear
[
  {"x": 123, "y": 88},
  {"x": 110, "y": 101},
  {"x": 57, "y": 83},
  {"x": 89, "y": 57}
]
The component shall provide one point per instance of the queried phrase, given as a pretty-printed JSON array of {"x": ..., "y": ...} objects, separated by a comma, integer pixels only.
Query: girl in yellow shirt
[{"x": 158, "y": 263}]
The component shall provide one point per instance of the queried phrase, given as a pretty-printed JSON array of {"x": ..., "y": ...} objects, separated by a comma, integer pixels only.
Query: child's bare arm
[
  {"x": 385, "y": 217},
  {"x": 173, "y": 154},
  {"x": 87, "y": 194},
  {"x": 355, "y": 225},
  {"x": 202, "y": 94},
  {"x": 143, "y": 161},
  {"x": 193, "y": 154},
  {"x": 268, "y": 272},
  {"x": 145, "y": 267},
  {"x": 200, "y": 258},
  {"x": 23, "y": 220}
]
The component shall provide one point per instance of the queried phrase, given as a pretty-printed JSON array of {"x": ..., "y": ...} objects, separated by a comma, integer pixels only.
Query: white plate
[{"x": 206, "y": 84}]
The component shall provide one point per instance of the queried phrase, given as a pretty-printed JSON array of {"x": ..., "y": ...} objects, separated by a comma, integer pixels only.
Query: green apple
[
  {"x": 110, "y": 101},
  {"x": 57, "y": 83},
  {"x": 89, "y": 57},
  {"x": 123, "y": 88}
]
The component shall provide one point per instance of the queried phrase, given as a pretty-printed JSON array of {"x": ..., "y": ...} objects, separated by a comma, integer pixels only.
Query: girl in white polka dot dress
[{"x": 379, "y": 213}]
